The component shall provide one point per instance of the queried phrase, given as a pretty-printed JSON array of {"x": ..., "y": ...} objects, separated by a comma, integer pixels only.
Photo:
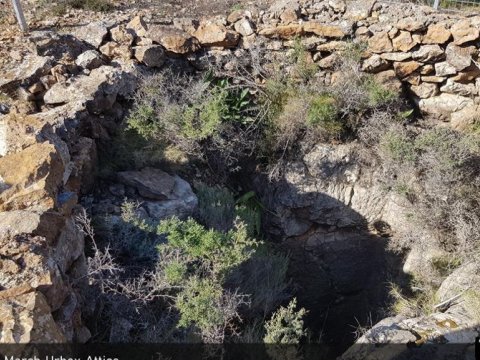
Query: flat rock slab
[{"x": 151, "y": 183}]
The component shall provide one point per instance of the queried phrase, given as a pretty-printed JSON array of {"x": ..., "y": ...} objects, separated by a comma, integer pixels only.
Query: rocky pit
[{"x": 332, "y": 213}]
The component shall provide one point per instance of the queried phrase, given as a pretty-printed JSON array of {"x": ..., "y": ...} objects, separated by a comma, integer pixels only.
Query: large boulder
[
  {"x": 30, "y": 71},
  {"x": 172, "y": 195}
]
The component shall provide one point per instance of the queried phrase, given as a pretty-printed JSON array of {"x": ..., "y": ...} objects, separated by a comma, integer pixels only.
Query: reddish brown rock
[
  {"x": 172, "y": 39},
  {"x": 212, "y": 34}
]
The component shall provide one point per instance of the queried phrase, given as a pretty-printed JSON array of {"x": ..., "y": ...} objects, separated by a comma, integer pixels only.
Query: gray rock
[
  {"x": 151, "y": 183},
  {"x": 150, "y": 55},
  {"x": 29, "y": 72},
  {"x": 453, "y": 87},
  {"x": 93, "y": 33},
  {"x": 90, "y": 60},
  {"x": 444, "y": 69},
  {"x": 458, "y": 57},
  {"x": 428, "y": 53}
]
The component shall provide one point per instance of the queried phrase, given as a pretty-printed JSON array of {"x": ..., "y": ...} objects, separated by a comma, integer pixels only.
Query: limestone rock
[
  {"x": 283, "y": 32},
  {"x": 424, "y": 90},
  {"x": 380, "y": 43},
  {"x": 403, "y": 69},
  {"x": 375, "y": 64},
  {"x": 244, "y": 27},
  {"x": 113, "y": 49},
  {"x": 30, "y": 71},
  {"x": 213, "y": 34},
  {"x": 411, "y": 24},
  {"x": 444, "y": 69},
  {"x": 27, "y": 318},
  {"x": 151, "y": 55},
  {"x": 444, "y": 104},
  {"x": 151, "y": 183},
  {"x": 464, "y": 119},
  {"x": 359, "y": 9},
  {"x": 329, "y": 31},
  {"x": 396, "y": 56},
  {"x": 94, "y": 33},
  {"x": 138, "y": 26},
  {"x": 433, "y": 79},
  {"x": 90, "y": 59},
  {"x": 459, "y": 57},
  {"x": 464, "y": 32},
  {"x": 468, "y": 74},
  {"x": 99, "y": 90},
  {"x": 389, "y": 80},
  {"x": 35, "y": 181},
  {"x": 453, "y": 87},
  {"x": 122, "y": 35},
  {"x": 328, "y": 62},
  {"x": 428, "y": 53},
  {"x": 403, "y": 42},
  {"x": 437, "y": 34},
  {"x": 174, "y": 40}
]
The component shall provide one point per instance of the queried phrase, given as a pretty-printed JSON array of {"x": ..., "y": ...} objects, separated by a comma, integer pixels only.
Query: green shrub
[
  {"x": 323, "y": 114},
  {"x": 377, "y": 94},
  {"x": 92, "y": 5},
  {"x": 216, "y": 207},
  {"x": 398, "y": 146},
  {"x": 142, "y": 119},
  {"x": 305, "y": 68},
  {"x": 286, "y": 325}
]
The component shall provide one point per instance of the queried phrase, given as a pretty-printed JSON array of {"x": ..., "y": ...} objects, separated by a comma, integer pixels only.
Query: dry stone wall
[{"x": 67, "y": 93}]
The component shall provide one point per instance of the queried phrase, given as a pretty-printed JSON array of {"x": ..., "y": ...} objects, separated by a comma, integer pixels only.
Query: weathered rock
[
  {"x": 459, "y": 57},
  {"x": 188, "y": 25},
  {"x": 337, "y": 5},
  {"x": 437, "y": 34},
  {"x": 122, "y": 35},
  {"x": 174, "y": 40},
  {"x": 289, "y": 16},
  {"x": 329, "y": 31},
  {"x": 99, "y": 90},
  {"x": 151, "y": 183},
  {"x": 113, "y": 49},
  {"x": 403, "y": 42},
  {"x": 433, "y": 79},
  {"x": 465, "y": 118},
  {"x": 90, "y": 59},
  {"x": 468, "y": 74},
  {"x": 464, "y": 32},
  {"x": 213, "y": 34},
  {"x": 27, "y": 318},
  {"x": 389, "y": 80},
  {"x": 428, "y": 53},
  {"x": 375, "y": 64},
  {"x": 94, "y": 33},
  {"x": 380, "y": 43},
  {"x": 29, "y": 72},
  {"x": 425, "y": 90},
  {"x": 138, "y": 26},
  {"x": 359, "y": 9},
  {"x": 283, "y": 32},
  {"x": 35, "y": 181},
  {"x": 453, "y": 87},
  {"x": 328, "y": 62},
  {"x": 398, "y": 56},
  {"x": 444, "y": 69},
  {"x": 444, "y": 104},
  {"x": 244, "y": 27},
  {"x": 152, "y": 55},
  {"x": 411, "y": 24},
  {"x": 403, "y": 69}
]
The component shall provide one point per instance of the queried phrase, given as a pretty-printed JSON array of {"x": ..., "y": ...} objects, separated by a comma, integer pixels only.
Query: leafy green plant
[
  {"x": 323, "y": 114},
  {"x": 286, "y": 325}
]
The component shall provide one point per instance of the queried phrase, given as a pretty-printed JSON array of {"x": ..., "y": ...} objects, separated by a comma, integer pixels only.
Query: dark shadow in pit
[{"x": 340, "y": 269}]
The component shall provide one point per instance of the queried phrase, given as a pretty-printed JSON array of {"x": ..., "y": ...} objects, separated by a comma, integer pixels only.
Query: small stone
[
  {"x": 328, "y": 62},
  {"x": 93, "y": 33},
  {"x": 402, "y": 69},
  {"x": 428, "y": 53},
  {"x": 90, "y": 59},
  {"x": 411, "y": 24},
  {"x": 468, "y": 74},
  {"x": 403, "y": 42},
  {"x": 138, "y": 25},
  {"x": 329, "y": 31},
  {"x": 122, "y": 35},
  {"x": 444, "y": 69},
  {"x": 359, "y": 9},
  {"x": 289, "y": 16},
  {"x": 375, "y": 64},
  {"x": 380, "y": 43},
  {"x": 244, "y": 27},
  {"x": 427, "y": 69},
  {"x": 389, "y": 80},
  {"x": 36, "y": 88},
  {"x": 151, "y": 56},
  {"x": 283, "y": 32},
  {"x": 424, "y": 90},
  {"x": 211, "y": 34},
  {"x": 397, "y": 56}
]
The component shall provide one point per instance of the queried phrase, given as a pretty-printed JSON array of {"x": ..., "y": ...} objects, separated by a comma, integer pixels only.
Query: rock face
[{"x": 324, "y": 209}]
